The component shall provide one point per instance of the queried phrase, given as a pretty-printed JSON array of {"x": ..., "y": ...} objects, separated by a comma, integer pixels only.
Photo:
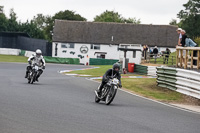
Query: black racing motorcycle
[
  {"x": 108, "y": 92},
  {"x": 33, "y": 72}
]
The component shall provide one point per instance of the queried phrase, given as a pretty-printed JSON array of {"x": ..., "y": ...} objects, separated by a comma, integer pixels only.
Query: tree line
[{"x": 41, "y": 26}]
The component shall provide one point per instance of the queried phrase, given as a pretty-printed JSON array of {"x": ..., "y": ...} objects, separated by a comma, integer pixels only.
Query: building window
[
  {"x": 95, "y": 46},
  {"x": 101, "y": 56},
  {"x": 134, "y": 54},
  {"x": 67, "y": 45}
]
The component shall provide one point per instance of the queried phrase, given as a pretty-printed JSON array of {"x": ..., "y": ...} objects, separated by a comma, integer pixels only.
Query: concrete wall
[{"x": 9, "y": 51}]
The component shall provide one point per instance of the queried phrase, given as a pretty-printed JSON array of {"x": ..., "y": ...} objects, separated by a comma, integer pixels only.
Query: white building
[
  {"x": 84, "y": 40},
  {"x": 104, "y": 51}
]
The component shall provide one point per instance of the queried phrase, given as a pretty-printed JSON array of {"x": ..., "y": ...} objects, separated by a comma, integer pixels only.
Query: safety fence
[
  {"x": 161, "y": 59},
  {"x": 180, "y": 80},
  {"x": 96, "y": 61},
  {"x": 188, "y": 57},
  {"x": 145, "y": 70}
]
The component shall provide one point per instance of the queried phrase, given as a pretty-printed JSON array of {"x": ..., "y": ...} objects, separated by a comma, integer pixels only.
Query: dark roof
[
  {"x": 14, "y": 34},
  {"x": 101, "y": 33}
]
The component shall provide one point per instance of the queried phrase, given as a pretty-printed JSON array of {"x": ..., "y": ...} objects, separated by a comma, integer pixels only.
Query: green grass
[
  {"x": 12, "y": 58},
  {"x": 161, "y": 60},
  {"x": 97, "y": 72},
  {"x": 142, "y": 86},
  {"x": 148, "y": 88}
]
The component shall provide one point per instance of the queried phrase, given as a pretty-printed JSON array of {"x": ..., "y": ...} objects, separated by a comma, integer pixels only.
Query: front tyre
[
  {"x": 33, "y": 77},
  {"x": 29, "y": 81},
  {"x": 97, "y": 100},
  {"x": 110, "y": 96}
]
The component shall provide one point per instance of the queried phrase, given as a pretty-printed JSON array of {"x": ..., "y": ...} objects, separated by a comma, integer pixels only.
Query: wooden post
[
  {"x": 177, "y": 57},
  {"x": 192, "y": 59},
  {"x": 181, "y": 58},
  {"x": 198, "y": 59},
  {"x": 186, "y": 57}
]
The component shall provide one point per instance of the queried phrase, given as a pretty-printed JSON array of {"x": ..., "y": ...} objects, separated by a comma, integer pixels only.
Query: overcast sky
[{"x": 148, "y": 11}]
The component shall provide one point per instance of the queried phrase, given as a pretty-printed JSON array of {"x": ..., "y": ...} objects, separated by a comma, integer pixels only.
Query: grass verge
[
  {"x": 12, "y": 58},
  {"x": 147, "y": 87},
  {"x": 97, "y": 72}
]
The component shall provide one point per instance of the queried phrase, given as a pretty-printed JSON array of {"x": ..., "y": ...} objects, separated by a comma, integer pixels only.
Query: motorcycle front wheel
[
  {"x": 97, "y": 100},
  {"x": 32, "y": 78},
  {"x": 110, "y": 97},
  {"x": 29, "y": 81}
]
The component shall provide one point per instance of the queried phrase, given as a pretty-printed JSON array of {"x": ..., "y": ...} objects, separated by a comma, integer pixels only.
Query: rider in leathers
[
  {"x": 39, "y": 60},
  {"x": 110, "y": 73}
]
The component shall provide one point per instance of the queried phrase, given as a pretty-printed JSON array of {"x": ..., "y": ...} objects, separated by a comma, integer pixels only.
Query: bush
[{"x": 197, "y": 40}]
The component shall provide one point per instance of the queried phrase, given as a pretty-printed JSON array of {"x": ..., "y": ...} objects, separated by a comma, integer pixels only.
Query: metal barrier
[
  {"x": 188, "y": 57},
  {"x": 145, "y": 70},
  {"x": 183, "y": 81}
]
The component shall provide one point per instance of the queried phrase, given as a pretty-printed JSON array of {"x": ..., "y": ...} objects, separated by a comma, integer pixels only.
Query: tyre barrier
[{"x": 180, "y": 80}]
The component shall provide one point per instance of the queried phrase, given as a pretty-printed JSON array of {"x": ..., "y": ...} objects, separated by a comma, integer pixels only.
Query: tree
[
  {"x": 40, "y": 21},
  {"x": 132, "y": 20},
  {"x": 111, "y": 16},
  {"x": 173, "y": 22},
  {"x": 32, "y": 29},
  {"x": 1, "y": 9},
  {"x": 190, "y": 18},
  {"x": 63, "y": 15},
  {"x": 3, "y": 20},
  {"x": 12, "y": 21}
]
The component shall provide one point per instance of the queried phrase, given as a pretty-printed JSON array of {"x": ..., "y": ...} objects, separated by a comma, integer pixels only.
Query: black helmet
[{"x": 116, "y": 65}]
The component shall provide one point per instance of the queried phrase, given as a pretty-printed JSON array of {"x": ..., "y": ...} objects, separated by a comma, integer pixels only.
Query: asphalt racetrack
[{"x": 65, "y": 104}]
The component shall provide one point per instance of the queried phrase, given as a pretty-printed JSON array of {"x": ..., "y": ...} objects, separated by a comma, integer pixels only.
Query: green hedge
[
  {"x": 96, "y": 61},
  {"x": 49, "y": 59}
]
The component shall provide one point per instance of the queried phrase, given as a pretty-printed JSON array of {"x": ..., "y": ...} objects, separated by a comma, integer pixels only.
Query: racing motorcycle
[
  {"x": 33, "y": 73},
  {"x": 108, "y": 92}
]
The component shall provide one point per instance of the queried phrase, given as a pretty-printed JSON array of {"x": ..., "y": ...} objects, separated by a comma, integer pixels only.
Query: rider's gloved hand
[
  {"x": 120, "y": 86},
  {"x": 43, "y": 67}
]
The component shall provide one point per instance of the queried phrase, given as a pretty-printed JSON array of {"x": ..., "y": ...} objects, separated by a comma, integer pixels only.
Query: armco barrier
[
  {"x": 145, "y": 70},
  {"x": 183, "y": 81},
  {"x": 96, "y": 61},
  {"x": 49, "y": 59},
  {"x": 140, "y": 69}
]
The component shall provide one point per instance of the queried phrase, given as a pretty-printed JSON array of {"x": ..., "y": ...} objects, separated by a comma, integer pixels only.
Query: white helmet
[{"x": 38, "y": 52}]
